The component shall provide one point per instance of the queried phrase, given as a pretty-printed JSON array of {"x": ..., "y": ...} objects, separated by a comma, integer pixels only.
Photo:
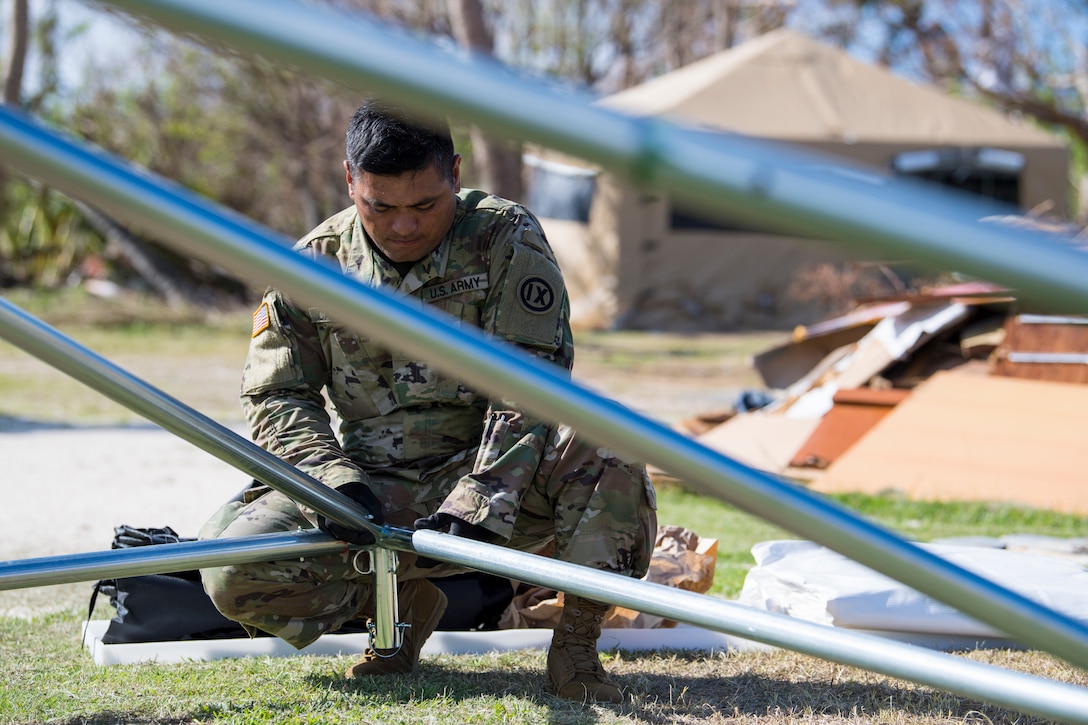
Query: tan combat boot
[
  {"x": 423, "y": 604},
  {"x": 574, "y": 668}
]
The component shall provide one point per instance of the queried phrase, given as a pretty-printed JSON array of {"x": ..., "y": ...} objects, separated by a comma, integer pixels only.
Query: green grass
[
  {"x": 46, "y": 681},
  {"x": 922, "y": 521},
  {"x": 195, "y": 359},
  {"x": 928, "y": 520},
  {"x": 625, "y": 350}
]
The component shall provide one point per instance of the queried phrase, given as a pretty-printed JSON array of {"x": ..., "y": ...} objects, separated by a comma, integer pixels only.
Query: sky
[
  {"x": 93, "y": 38},
  {"x": 91, "y": 33},
  {"x": 87, "y": 33}
]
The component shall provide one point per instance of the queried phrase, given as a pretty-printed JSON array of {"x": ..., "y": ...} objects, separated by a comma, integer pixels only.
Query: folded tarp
[
  {"x": 805, "y": 580},
  {"x": 503, "y": 640}
]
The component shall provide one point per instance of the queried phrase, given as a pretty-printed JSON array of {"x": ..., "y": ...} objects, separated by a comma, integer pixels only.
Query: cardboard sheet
[
  {"x": 894, "y": 338},
  {"x": 961, "y": 436},
  {"x": 855, "y": 365},
  {"x": 761, "y": 440}
]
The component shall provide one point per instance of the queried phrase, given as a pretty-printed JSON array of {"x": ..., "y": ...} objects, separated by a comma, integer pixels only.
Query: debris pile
[{"x": 948, "y": 395}]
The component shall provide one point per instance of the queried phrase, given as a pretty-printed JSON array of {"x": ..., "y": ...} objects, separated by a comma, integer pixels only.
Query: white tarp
[
  {"x": 682, "y": 637},
  {"x": 808, "y": 581}
]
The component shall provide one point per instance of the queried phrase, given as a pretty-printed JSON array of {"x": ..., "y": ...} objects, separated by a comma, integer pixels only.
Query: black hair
[{"x": 387, "y": 140}]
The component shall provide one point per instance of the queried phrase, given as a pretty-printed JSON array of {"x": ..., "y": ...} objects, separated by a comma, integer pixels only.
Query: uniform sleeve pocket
[
  {"x": 534, "y": 300},
  {"x": 271, "y": 364}
]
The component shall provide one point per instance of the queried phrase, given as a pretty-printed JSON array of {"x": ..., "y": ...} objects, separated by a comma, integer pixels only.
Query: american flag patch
[{"x": 260, "y": 319}]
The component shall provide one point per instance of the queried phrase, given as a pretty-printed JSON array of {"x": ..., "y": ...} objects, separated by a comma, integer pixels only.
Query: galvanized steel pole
[
  {"x": 77, "y": 361},
  {"x": 756, "y": 182},
  {"x": 1019, "y": 691},
  {"x": 199, "y": 226},
  {"x": 139, "y": 560},
  {"x": 917, "y": 664}
]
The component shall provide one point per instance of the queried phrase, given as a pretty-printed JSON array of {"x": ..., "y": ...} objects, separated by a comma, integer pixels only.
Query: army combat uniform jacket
[
  {"x": 420, "y": 440},
  {"x": 401, "y": 421}
]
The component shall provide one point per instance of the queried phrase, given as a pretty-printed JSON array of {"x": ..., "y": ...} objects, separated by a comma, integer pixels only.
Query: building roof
[{"x": 786, "y": 86}]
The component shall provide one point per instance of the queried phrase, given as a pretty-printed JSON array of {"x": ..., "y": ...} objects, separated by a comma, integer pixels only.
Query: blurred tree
[
  {"x": 18, "y": 39},
  {"x": 497, "y": 162},
  {"x": 262, "y": 140},
  {"x": 266, "y": 141},
  {"x": 41, "y": 237},
  {"x": 1024, "y": 57},
  {"x": 607, "y": 45}
]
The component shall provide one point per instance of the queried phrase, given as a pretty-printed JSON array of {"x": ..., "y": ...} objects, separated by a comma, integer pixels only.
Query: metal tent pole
[
  {"x": 89, "y": 368},
  {"x": 736, "y": 177},
  {"x": 1020, "y": 691},
  {"x": 917, "y": 664},
  {"x": 197, "y": 225},
  {"x": 162, "y": 558}
]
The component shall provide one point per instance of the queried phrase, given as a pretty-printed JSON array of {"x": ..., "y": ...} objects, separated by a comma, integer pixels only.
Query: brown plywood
[
  {"x": 1043, "y": 349},
  {"x": 854, "y": 412},
  {"x": 963, "y": 436}
]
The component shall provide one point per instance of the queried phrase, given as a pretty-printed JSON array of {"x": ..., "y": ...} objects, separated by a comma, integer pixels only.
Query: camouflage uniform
[{"x": 420, "y": 440}]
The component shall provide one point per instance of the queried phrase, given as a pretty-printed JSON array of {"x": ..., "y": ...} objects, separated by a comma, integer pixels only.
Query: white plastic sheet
[{"x": 808, "y": 581}]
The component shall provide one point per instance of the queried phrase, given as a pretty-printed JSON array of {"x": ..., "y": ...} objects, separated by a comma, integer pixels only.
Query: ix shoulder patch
[
  {"x": 537, "y": 285},
  {"x": 536, "y": 294}
]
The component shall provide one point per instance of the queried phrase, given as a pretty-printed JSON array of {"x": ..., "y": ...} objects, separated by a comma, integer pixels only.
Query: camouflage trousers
[{"x": 597, "y": 509}]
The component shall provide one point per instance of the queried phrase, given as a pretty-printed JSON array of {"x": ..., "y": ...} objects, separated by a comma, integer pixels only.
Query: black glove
[
  {"x": 450, "y": 524},
  {"x": 361, "y": 494}
]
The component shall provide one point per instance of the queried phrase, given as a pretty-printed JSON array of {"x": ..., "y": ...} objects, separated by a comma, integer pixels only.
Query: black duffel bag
[
  {"x": 174, "y": 606},
  {"x": 159, "y": 607}
]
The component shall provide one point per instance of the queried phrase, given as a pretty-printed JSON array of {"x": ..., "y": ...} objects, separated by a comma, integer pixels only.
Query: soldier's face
[{"x": 407, "y": 215}]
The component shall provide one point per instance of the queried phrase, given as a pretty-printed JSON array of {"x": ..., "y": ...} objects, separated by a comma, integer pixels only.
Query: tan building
[{"x": 634, "y": 261}]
